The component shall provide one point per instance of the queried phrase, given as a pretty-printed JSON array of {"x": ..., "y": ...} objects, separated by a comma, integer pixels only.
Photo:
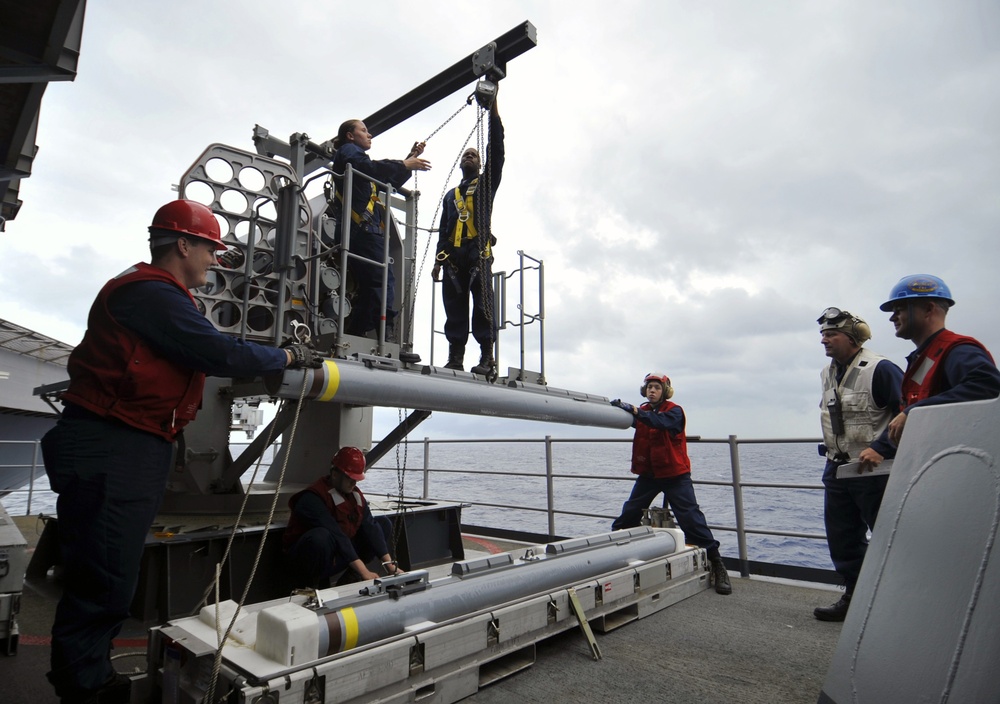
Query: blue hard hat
[{"x": 918, "y": 286}]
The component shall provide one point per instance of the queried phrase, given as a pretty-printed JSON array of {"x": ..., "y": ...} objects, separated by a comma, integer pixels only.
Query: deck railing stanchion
[
  {"x": 427, "y": 468},
  {"x": 550, "y": 486},
  {"x": 741, "y": 533},
  {"x": 31, "y": 481}
]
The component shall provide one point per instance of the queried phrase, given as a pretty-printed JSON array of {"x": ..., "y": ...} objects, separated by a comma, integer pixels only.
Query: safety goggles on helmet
[
  {"x": 832, "y": 315},
  {"x": 845, "y": 322}
]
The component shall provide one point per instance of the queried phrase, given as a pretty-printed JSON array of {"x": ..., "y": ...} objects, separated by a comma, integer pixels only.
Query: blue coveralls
[
  {"x": 367, "y": 237},
  {"x": 324, "y": 550},
  {"x": 465, "y": 269},
  {"x": 678, "y": 491},
  {"x": 110, "y": 479}
]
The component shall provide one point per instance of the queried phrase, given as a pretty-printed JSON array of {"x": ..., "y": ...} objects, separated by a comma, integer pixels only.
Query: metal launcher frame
[{"x": 291, "y": 271}]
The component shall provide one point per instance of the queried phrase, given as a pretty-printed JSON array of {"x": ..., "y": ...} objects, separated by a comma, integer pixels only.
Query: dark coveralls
[
  {"x": 367, "y": 237},
  {"x": 850, "y": 506},
  {"x": 110, "y": 479},
  {"x": 324, "y": 550},
  {"x": 677, "y": 490},
  {"x": 465, "y": 268}
]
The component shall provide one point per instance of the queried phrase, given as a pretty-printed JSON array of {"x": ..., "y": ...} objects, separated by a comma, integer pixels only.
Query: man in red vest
[
  {"x": 332, "y": 528},
  {"x": 945, "y": 367},
  {"x": 660, "y": 458},
  {"x": 135, "y": 381}
]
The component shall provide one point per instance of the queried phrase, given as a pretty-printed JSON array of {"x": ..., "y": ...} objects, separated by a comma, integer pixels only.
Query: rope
[{"x": 217, "y": 664}]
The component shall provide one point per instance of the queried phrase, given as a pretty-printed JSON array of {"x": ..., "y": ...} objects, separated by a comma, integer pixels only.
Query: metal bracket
[
  {"x": 574, "y": 602},
  {"x": 484, "y": 62},
  {"x": 374, "y": 361}
]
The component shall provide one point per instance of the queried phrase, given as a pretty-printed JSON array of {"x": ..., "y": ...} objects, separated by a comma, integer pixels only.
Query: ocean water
[{"x": 593, "y": 479}]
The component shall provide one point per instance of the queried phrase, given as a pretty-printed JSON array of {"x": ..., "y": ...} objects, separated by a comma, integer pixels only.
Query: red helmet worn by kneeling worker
[
  {"x": 189, "y": 218},
  {"x": 350, "y": 461}
]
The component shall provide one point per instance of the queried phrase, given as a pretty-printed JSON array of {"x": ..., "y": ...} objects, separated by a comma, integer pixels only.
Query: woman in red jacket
[{"x": 660, "y": 458}]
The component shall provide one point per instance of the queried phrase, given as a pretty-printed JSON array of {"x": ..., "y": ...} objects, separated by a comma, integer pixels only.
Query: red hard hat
[
  {"x": 188, "y": 217},
  {"x": 664, "y": 380},
  {"x": 350, "y": 461}
]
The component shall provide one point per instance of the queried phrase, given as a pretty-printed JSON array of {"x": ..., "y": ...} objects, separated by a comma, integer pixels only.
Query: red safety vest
[
  {"x": 348, "y": 513},
  {"x": 658, "y": 451},
  {"x": 925, "y": 374},
  {"x": 114, "y": 373}
]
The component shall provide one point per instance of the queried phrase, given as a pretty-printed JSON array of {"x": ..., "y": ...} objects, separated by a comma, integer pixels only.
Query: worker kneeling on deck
[
  {"x": 660, "y": 458},
  {"x": 332, "y": 529}
]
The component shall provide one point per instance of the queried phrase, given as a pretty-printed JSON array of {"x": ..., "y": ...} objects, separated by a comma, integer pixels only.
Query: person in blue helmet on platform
[
  {"x": 660, "y": 459},
  {"x": 135, "y": 382},
  {"x": 945, "y": 367},
  {"x": 331, "y": 528},
  {"x": 860, "y": 397},
  {"x": 352, "y": 143}
]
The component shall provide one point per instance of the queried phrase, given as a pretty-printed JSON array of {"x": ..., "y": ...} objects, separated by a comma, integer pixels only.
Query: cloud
[{"x": 700, "y": 180}]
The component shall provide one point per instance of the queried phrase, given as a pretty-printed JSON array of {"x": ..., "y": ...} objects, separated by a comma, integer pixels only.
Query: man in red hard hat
[
  {"x": 332, "y": 528},
  {"x": 135, "y": 381}
]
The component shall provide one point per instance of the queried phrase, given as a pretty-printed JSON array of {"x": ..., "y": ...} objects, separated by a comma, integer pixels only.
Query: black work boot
[
  {"x": 486, "y": 364},
  {"x": 456, "y": 357},
  {"x": 834, "y": 612},
  {"x": 720, "y": 575}
]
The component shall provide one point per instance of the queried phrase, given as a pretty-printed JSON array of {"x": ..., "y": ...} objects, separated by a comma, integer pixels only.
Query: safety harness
[
  {"x": 465, "y": 226},
  {"x": 368, "y": 214}
]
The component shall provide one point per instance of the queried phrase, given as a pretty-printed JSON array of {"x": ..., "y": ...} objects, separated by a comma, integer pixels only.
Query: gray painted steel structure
[{"x": 924, "y": 619}]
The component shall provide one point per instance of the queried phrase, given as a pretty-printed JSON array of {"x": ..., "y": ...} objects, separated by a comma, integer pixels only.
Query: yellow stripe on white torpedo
[
  {"x": 331, "y": 374},
  {"x": 350, "y": 628}
]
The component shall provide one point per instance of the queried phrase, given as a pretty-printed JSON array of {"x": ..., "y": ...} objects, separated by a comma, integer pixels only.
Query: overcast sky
[{"x": 700, "y": 179}]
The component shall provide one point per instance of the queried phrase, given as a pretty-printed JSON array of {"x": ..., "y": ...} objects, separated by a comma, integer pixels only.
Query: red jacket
[
  {"x": 114, "y": 373},
  {"x": 659, "y": 452},
  {"x": 925, "y": 373},
  {"x": 348, "y": 513}
]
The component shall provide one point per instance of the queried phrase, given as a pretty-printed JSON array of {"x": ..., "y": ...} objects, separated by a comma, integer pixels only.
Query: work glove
[
  {"x": 231, "y": 259},
  {"x": 303, "y": 356},
  {"x": 624, "y": 406}
]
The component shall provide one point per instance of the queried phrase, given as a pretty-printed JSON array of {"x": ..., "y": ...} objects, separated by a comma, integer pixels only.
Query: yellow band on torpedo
[
  {"x": 332, "y": 380},
  {"x": 350, "y": 628}
]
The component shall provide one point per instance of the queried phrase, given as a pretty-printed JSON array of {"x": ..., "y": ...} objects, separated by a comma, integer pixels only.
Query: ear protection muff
[
  {"x": 668, "y": 390},
  {"x": 845, "y": 322}
]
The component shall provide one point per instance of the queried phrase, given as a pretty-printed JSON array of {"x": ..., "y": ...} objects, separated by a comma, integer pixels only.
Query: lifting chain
[
  {"x": 484, "y": 217},
  {"x": 417, "y": 271}
]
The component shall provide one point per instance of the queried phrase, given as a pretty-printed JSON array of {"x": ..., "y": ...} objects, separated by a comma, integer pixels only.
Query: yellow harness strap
[
  {"x": 357, "y": 217},
  {"x": 466, "y": 209}
]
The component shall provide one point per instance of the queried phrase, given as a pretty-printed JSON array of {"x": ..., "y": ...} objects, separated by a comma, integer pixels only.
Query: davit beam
[{"x": 433, "y": 389}]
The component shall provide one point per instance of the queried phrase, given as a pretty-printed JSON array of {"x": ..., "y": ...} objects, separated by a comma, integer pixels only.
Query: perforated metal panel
[{"x": 242, "y": 189}]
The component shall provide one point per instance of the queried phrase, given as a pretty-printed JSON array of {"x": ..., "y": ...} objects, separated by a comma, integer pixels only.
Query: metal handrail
[
  {"x": 736, "y": 483},
  {"x": 34, "y": 467}
]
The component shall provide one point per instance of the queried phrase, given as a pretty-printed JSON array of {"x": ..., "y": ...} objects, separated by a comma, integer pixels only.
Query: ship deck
[{"x": 760, "y": 644}]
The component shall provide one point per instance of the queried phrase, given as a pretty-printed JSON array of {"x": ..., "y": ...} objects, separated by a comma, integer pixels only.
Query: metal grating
[{"x": 20, "y": 340}]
